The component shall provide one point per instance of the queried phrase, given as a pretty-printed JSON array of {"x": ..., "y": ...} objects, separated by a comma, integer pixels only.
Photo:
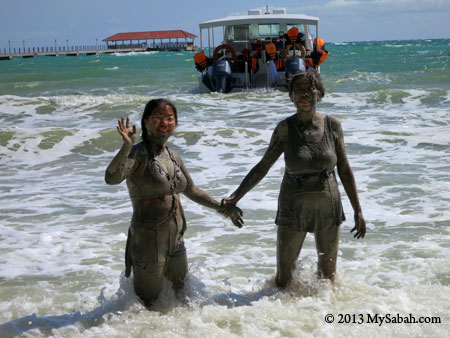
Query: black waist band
[{"x": 301, "y": 178}]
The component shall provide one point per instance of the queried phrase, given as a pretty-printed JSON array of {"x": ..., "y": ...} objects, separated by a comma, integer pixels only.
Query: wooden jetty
[
  {"x": 30, "y": 54},
  {"x": 10, "y": 56},
  {"x": 118, "y": 43}
]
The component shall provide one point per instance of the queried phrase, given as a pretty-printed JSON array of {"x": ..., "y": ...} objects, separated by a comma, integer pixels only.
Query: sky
[{"x": 38, "y": 23}]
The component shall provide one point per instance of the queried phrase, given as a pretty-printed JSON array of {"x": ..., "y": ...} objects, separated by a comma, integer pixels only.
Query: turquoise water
[
  {"x": 63, "y": 230},
  {"x": 137, "y": 73},
  {"x": 406, "y": 64}
]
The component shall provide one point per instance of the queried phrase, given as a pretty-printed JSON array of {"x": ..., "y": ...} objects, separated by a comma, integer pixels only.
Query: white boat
[{"x": 257, "y": 50}]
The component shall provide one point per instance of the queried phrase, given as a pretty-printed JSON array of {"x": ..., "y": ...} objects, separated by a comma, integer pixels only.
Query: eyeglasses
[
  {"x": 307, "y": 92},
  {"x": 161, "y": 118}
]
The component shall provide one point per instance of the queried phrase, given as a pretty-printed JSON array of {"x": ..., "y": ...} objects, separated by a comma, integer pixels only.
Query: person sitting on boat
[
  {"x": 295, "y": 49},
  {"x": 202, "y": 62},
  {"x": 257, "y": 46},
  {"x": 318, "y": 55},
  {"x": 278, "y": 44}
]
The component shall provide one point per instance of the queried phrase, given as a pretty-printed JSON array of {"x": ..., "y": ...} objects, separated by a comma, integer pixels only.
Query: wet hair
[
  {"x": 314, "y": 78},
  {"x": 149, "y": 109}
]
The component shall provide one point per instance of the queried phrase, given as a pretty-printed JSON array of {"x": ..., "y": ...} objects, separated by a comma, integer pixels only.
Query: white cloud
[
  {"x": 391, "y": 5},
  {"x": 342, "y": 3},
  {"x": 358, "y": 20}
]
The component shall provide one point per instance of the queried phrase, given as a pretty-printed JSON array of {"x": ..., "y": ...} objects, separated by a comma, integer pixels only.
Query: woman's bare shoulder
[
  {"x": 335, "y": 124},
  {"x": 283, "y": 127}
]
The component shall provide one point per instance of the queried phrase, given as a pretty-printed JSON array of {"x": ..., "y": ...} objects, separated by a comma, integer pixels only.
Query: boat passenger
[
  {"x": 309, "y": 199},
  {"x": 279, "y": 44},
  {"x": 318, "y": 55},
  {"x": 295, "y": 49},
  {"x": 155, "y": 176}
]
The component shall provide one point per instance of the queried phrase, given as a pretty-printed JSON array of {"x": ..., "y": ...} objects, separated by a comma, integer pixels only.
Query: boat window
[
  {"x": 269, "y": 29},
  {"x": 301, "y": 28},
  {"x": 239, "y": 33}
]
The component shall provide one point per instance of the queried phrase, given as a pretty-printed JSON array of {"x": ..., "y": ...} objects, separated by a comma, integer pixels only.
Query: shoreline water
[{"x": 63, "y": 230}]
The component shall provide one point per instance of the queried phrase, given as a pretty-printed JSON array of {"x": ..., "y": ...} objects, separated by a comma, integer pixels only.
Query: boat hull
[{"x": 224, "y": 76}]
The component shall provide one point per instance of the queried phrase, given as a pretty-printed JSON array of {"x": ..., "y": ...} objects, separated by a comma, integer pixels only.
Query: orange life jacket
[
  {"x": 309, "y": 63},
  {"x": 319, "y": 43},
  {"x": 293, "y": 34},
  {"x": 272, "y": 50},
  {"x": 279, "y": 63},
  {"x": 255, "y": 65},
  {"x": 201, "y": 59},
  {"x": 324, "y": 55},
  {"x": 317, "y": 57}
]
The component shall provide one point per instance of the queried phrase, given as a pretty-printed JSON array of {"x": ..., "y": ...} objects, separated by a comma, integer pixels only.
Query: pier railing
[
  {"x": 57, "y": 49},
  {"x": 10, "y": 53}
]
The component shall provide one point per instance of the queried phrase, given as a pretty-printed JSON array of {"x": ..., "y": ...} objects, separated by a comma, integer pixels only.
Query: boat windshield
[
  {"x": 301, "y": 28},
  {"x": 239, "y": 33},
  {"x": 271, "y": 29}
]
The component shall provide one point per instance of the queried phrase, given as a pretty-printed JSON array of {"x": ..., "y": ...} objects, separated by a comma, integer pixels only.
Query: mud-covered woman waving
[{"x": 155, "y": 176}]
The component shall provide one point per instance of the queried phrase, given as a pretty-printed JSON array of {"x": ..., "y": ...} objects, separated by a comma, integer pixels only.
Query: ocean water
[{"x": 63, "y": 230}]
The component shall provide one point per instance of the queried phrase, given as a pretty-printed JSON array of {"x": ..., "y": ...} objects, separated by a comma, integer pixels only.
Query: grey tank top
[
  {"x": 309, "y": 197},
  {"x": 303, "y": 157}
]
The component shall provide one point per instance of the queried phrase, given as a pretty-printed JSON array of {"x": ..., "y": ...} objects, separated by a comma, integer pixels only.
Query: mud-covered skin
[
  {"x": 155, "y": 176},
  {"x": 305, "y": 131},
  {"x": 278, "y": 144},
  {"x": 289, "y": 245},
  {"x": 309, "y": 198}
]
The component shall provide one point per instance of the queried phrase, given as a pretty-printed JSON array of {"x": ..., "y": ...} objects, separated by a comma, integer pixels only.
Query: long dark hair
[
  {"x": 150, "y": 107},
  {"x": 312, "y": 76}
]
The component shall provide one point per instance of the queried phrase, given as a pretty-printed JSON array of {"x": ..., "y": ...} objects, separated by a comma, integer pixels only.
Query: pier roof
[{"x": 150, "y": 35}]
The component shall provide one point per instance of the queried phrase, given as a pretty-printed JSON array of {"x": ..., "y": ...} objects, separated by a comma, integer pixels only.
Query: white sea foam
[
  {"x": 119, "y": 54},
  {"x": 63, "y": 230},
  {"x": 397, "y": 45},
  {"x": 366, "y": 77}
]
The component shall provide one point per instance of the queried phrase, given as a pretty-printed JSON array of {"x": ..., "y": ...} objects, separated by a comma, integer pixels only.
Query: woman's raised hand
[{"x": 128, "y": 134}]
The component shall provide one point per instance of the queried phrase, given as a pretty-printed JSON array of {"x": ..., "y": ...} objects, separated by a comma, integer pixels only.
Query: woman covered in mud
[
  {"x": 155, "y": 176},
  {"x": 309, "y": 200}
]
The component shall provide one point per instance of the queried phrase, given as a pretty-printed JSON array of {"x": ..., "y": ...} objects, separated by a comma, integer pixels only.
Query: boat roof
[
  {"x": 150, "y": 35},
  {"x": 262, "y": 19}
]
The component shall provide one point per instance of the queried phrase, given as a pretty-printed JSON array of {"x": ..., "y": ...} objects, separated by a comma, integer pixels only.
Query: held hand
[
  {"x": 128, "y": 134},
  {"x": 233, "y": 212},
  {"x": 360, "y": 226},
  {"x": 232, "y": 200}
]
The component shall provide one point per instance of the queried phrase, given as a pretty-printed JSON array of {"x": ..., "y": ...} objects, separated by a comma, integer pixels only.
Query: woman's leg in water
[
  {"x": 289, "y": 244},
  {"x": 148, "y": 282},
  {"x": 177, "y": 267},
  {"x": 327, "y": 245},
  {"x": 150, "y": 254}
]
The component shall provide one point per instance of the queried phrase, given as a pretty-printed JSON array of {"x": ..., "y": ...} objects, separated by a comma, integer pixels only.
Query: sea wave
[
  {"x": 63, "y": 229},
  {"x": 119, "y": 54}
]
